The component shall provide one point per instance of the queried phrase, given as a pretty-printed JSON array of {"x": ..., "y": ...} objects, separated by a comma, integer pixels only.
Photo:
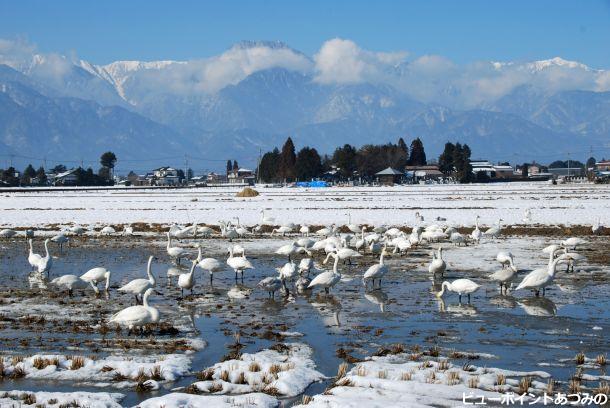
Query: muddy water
[{"x": 516, "y": 331}]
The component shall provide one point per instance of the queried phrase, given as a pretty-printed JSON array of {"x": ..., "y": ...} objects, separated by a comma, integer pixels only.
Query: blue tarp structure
[{"x": 315, "y": 184}]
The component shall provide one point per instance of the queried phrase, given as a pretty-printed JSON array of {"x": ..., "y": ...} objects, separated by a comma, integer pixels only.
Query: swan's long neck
[
  {"x": 476, "y": 222},
  {"x": 230, "y": 252},
  {"x": 192, "y": 269},
  {"x": 336, "y": 265},
  {"x": 145, "y": 299},
  {"x": 31, "y": 248},
  {"x": 151, "y": 278},
  {"x": 169, "y": 240},
  {"x": 327, "y": 256},
  {"x": 440, "y": 253},
  {"x": 46, "y": 247},
  {"x": 199, "y": 255},
  {"x": 107, "y": 280},
  {"x": 553, "y": 267},
  {"x": 363, "y": 234},
  {"x": 381, "y": 257}
]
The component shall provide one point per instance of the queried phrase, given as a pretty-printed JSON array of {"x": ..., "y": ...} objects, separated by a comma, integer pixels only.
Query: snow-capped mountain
[{"x": 257, "y": 92}]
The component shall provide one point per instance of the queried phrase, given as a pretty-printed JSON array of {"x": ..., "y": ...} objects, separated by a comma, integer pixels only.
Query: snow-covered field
[{"x": 573, "y": 204}]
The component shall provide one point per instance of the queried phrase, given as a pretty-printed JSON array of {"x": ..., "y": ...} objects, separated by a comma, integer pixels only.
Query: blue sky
[{"x": 464, "y": 31}]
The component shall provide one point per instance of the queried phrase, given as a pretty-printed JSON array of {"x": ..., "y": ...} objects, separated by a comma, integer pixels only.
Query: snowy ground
[{"x": 550, "y": 204}]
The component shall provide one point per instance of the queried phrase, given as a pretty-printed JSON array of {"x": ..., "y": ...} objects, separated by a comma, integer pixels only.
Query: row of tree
[
  {"x": 349, "y": 162},
  {"x": 84, "y": 177}
]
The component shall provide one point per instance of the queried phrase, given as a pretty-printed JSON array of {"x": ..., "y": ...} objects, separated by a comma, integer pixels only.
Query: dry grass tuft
[
  {"x": 254, "y": 367},
  {"x": 574, "y": 386},
  {"x": 40, "y": 363},
  {"x": 16, "y": 360},
  {"x": 205, "y": 375},
  {"x": 361, "y": 371},
  {"x": 500, "y": 379},
  {"x": 425, "y": 364},
  {"x": 18, "y": 372},
  {"x": 156, "y": 373},
  {"x": 443, "y": 365},
  {"x": 601, "y": 359},
  {"x": 603, "y": 388},
  {"x": 28, "y": 399},
  {"x": 241, "y": 378},
  {"x": 106, "y": 369},
  {"x": 77, "y": 362},
  {"x": 434, "y": 352},
  {"x": 215, "y": 387},
  {"x": 382, "y": 374},
  {"x": 406, "y": 376},
  {"x": 2, "y": 372},
  {"x": 274, "y": 369},
  {"x": 524, "y": 385},
  {"x": 306, "y": 399},
  {"x": 431, "y": 377},
  {"x": 273, "y": 391},
  {"x": 143, "y": 386},
  {"x": 224, "y": 375},
  {"x": 580, "y": 358},
  {"x": 550, "y": 387},
  {"x": 473, "y": 382},
  {"x": 344, "y": 382},
  {"x": 453, "y": 378},
  {"x": 342, "y": 370},
  {"x": 119, "y": 377},
  {"x": 248, "y": 192}
]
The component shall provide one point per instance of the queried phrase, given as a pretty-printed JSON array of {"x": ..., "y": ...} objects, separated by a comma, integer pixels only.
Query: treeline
[
  {"x": 83, "y": 177},
  {"x": 287, "y": 165}
]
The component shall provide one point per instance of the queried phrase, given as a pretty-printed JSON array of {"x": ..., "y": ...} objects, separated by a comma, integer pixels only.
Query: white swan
[
  {"x": 96, "y": 275},
  {"x": 266, "y": 220},
  {"x": 70, "y": 282},
  {"x": 597, "y": 226},
  {"x": 571, "y": 259},
  {"x": 459, "y": 286},
  {"x": 187, "y": 280},
  {"x": 352, "y": 227},
  {"x": 210, "y": 264},
  {"x": 46, "y": 262},
  {"x": 506, "y": 259},
  {"x": 127, "y": 230},
  {"x": 504, "y": 277},
  {"x": 173, "y": 271},
  {"x": 33, "y": 259},
  {"x": 540, "y": 278},
  {"x": 376, "y": 271},
  {"x": 77, "y": 230},
  {"x": 174, "y": 252},
  {"x": 494, "y": 232},
  {"x": 304, "y": 230},
  {"x": 437, "y": 265},
  {"x": 271, "y": 284},
  {"x": 139, "y": 286},
  {"x": 305, "y": 265},
  {"x": 60, "y": 239},
  {"x": 7, "y": 233},
  {"x": 571, "y": 243},
  {"x": 108, "y": 230},
  {"x": 291, "y": 249},
  {"x": 327, "y": 279},
  {"x": 345, "y": 254},
  {"x": 238, "y": 264},
  {"x": 137, "y": 316},
  {"x": 457, "y": 238}
]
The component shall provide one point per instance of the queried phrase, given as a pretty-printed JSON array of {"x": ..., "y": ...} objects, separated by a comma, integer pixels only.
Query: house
[
  {"x": 214, "y": 178},
  {"x": 504, "y": 171},
  {"x": 423, "y": 173},
  {"x": 484, "y": 167},
  {"x": 67, "y": 178},
  {"x": 241, "y": 176},
  {"x": 390, "y": 176},
  {"x": 134, "y": 179},
  {"x": 166, "y": 176},
  {"x": 603, "y": 165}
]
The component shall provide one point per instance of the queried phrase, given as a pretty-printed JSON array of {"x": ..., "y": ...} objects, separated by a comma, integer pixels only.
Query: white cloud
[{"x": 342, "y": 61}]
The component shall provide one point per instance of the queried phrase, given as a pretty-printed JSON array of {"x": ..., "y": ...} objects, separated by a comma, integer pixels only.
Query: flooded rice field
[{"x": 232, "y": 344}]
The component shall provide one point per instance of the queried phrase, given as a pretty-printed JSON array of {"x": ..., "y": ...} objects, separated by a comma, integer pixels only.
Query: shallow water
[{"x": 519, "y": 331}]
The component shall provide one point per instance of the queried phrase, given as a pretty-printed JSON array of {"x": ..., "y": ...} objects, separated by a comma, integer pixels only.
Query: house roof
[
  {"x": 65, "y": 173},
  {"x": 389, "y": 172}
]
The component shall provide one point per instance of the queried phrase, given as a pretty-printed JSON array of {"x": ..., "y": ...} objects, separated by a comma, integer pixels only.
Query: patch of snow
[{"x": 181, "y": 400}]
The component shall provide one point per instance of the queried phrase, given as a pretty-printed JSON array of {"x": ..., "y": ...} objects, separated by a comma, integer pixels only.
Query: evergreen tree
[
  {"x": 229, "y": 167},
  {"x": 288, "y": 160},
  {"x": 403, "y": 146},
  {"x": 104, "y": 173},
  {"x": 345, "y": 158},
  {"x": 445, "y": 160},
  {"x": 28, "y": 174},
  {"x": 180, "y": 174},
  {"x": 41, "y": 176},
  {"x": 591, "y": 162},
  {"x": 418, "y": 154},
  {"x": 268, "y": 168},
  {"x": 461, "y": 161},
  {"x": 308, "y": 164},
  {"x": 108, "y": 159},
  {"x": 60, "y": 168},
  {"x": 8, "y": 176},
  {"x": 235, "y": 165},
  {"x": 525, "y": 170},
  {"x": 189, "y": 173}
]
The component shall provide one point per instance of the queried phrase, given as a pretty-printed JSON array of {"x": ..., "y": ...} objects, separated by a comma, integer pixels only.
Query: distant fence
[{"x": 112, "y": 188}]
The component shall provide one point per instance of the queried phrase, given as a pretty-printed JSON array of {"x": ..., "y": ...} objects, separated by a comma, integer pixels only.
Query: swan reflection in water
[
  {"x": 460, "y": 309},
  {"x": 503, "y": 301},
  {"x": 329, "y": 308},
  {"x": 377, "y": 297},
  {"x": 538, "y": 306}
]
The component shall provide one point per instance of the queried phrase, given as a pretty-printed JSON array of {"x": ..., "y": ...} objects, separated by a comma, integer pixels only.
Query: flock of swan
[{"x": 337, "y": 245}]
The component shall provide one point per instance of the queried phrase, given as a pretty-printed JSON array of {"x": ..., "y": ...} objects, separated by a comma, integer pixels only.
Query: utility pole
[
  {"x": 258, "y": 166},
  {"x": 569, "y": 172},
  {"x": 186, "y": 168}
]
